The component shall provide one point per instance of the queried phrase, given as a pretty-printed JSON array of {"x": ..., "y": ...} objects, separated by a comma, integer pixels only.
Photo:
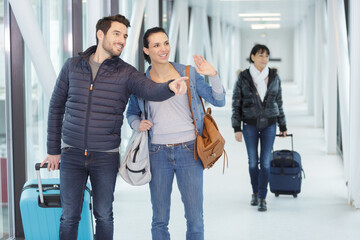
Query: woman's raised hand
[{"x": 204, "y": 67}]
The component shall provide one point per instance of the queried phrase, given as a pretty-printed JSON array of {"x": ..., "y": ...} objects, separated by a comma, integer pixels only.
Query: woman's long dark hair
[
  {"x": 146, "y": 41},
  {"x": 257, "y": 48}
]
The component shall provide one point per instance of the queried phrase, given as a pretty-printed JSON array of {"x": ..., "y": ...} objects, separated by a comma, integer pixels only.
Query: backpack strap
[{"x": 187, "y": 71}]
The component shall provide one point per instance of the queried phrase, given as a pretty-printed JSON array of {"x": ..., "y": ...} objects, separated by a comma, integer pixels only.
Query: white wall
[{"x": 280, "y": 43}]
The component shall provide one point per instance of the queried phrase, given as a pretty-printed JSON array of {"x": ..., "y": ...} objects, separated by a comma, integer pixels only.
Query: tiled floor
[{"x": 320, "y": 212}]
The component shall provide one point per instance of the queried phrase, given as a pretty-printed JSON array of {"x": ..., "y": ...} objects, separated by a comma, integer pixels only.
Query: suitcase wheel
[
  {"x": 277, "y": 194},
  {"x": 295, "y": 195}
]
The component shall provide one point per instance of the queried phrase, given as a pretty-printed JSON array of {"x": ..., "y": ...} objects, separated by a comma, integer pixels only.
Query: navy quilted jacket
[{"x": 88, "y": 114}]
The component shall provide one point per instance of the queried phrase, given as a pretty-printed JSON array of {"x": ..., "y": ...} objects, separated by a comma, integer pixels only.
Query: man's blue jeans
[
  {"x": 75, "y": 168},
  {"x": 166, "y": 161},
  {"x": 259, "y": 176}
]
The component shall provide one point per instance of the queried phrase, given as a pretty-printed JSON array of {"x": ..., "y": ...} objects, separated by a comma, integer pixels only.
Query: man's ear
[
  {"x": 146, "y": 50},
  {"x": 252, "y": 57},
  {"x": 100, "y": 35}
]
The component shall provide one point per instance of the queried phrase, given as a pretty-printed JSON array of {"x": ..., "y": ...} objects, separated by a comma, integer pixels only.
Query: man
[{"x": 85, "y": 119}]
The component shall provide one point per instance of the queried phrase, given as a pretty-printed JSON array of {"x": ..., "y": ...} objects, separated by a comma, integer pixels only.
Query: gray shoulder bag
[{"x": 135, "y": 166}]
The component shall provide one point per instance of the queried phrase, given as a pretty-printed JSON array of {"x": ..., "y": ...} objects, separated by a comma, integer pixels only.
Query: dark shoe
[
  {"x": 254, "y": 200},
  {"x": 262, "y": 206}
]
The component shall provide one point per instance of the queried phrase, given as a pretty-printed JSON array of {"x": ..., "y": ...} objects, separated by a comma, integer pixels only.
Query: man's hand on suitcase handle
[{"x": 53, "y": 162}]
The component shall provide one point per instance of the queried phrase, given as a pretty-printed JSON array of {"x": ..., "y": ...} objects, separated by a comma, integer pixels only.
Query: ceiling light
[
  {"x": 259, "y": 14},
  {"x": 251, "y": 19},
  {"x": 270, "y": 19},
  {"x": 265, "y": 26},
  {"x": 249, "y": 0}
]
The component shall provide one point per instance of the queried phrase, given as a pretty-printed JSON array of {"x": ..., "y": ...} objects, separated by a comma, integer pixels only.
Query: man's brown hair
[{"x": 105, "y": 23}]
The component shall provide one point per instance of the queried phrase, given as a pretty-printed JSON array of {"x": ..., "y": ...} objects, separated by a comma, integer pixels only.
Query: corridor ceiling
[{"x": 291, "y": 11}]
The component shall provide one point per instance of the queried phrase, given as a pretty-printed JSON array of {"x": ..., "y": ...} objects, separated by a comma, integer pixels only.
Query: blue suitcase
[
  {"x": 40, "y": 209},
  {"x": 286, "y": 171}
]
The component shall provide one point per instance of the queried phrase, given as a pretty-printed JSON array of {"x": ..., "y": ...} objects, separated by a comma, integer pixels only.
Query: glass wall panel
[
  {"x": 92, "y": 11},
  {"x": 52, "y": 20},
  {"x": 165, "y": 15},
  {"x": 4, "y": 210}
]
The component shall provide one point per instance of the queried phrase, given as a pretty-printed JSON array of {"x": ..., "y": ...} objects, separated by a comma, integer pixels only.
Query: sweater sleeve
[{"x": 216, "y": 84}]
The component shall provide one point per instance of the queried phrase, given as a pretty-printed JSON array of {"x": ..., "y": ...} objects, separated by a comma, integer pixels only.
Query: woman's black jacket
[{"x": 247, "y": 106}]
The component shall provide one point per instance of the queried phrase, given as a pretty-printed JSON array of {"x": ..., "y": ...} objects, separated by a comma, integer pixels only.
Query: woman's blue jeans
[
  {"x": 75, "y": 167},
  {"x": 259, "y": 168},
  {"x": 167, "y": 161}
]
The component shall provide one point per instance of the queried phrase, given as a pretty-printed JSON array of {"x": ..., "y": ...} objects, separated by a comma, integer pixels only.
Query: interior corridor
[{"x": 320, "y": 211}]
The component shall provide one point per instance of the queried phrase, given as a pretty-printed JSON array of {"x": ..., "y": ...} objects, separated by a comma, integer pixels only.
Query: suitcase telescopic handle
[
  {"x": 292, "y": 144},
  {"x": 37, "y": 169},
  {"x": 292, "y": 139}
]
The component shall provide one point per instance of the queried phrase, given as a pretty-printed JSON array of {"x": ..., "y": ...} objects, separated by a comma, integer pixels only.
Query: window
[
  {"x": 52, "y": 20},
  {"x": 4, "y": 208}
]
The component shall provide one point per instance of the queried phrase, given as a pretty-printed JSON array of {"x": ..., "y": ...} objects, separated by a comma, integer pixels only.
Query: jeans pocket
[
  {"x": 154, "y": 149},
  {"x": 190, "y": 147}
]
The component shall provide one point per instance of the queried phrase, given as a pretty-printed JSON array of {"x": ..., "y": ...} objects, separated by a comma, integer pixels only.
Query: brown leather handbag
[{"x": 209, "y": 146}]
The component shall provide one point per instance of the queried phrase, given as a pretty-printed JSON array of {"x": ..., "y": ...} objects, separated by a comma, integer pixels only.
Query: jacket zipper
[{"x": 91, "y": 88}]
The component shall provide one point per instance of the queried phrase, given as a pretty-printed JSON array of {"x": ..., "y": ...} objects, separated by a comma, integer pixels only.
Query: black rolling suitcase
[
  {"x": 40, "y": 209},
  {"x": 286, "y": 171}
]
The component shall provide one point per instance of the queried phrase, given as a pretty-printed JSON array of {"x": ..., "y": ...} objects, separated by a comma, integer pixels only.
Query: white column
[
  {"x": 184, "y": 33},
  {"x": 124, "y": 8},
  {"x": 297, "y": 55},
  {"x": 129, "y": 54},
  {"x": 235, "y": 57},
  {"x": 93, "y": 13},
  {"x": 195, "y": 46},
  {"x": 354, "y": 174},
  {"x": 180, "y": 13},
  {"x": 304, "y": 57},
  {"x": 35, "y": 43},
  {"x": 206, "y": 36},
  {"x": 318, "y": 70},
  {"x": 216, "y": 41},
  {"x": 174, "y": 28},
  {"x": 310, "y": 60},
  {"x": 331, "y": 87},
  {"x": 225, "y": 62},
  {"x": 337, "y": 12},
  {"x": 152, "y": 13}
]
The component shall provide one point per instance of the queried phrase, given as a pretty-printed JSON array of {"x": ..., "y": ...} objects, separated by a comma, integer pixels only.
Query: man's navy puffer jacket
[{"x": 88, "y": 114}]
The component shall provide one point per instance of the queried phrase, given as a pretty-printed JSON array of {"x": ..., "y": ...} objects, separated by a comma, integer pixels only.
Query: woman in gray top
[{"x": 172, "y": 134}]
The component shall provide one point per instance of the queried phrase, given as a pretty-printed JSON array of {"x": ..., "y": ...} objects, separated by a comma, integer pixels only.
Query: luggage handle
[
  {"x": 37, "y": 169},
  {"x": 292, "y": 145},
  {"x": 292, "y": 139}
]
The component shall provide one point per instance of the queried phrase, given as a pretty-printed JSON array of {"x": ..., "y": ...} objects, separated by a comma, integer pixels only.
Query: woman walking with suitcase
[{"x": 257, "y": 104}]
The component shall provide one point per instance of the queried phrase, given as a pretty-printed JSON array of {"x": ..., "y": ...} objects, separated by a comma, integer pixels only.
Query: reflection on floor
[{"x": 321, "y": 210}]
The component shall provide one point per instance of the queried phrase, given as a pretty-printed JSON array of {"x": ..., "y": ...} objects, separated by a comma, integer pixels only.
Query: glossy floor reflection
[{"x": 321, "y": 210}]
